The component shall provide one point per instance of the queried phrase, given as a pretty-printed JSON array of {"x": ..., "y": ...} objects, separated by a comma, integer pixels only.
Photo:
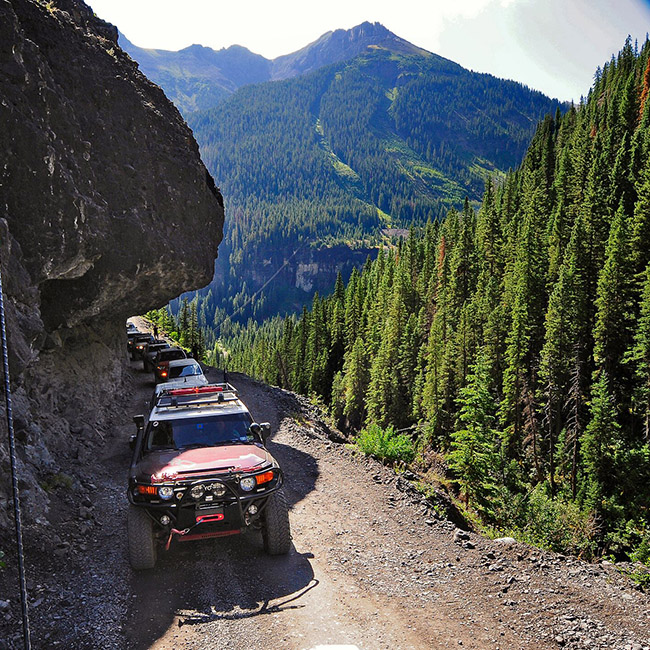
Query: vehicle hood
[{"x": 195, "y": 463}]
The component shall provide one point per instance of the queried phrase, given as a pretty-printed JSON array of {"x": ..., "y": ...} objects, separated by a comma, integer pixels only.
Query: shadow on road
[{"x": 204, "y": 582}]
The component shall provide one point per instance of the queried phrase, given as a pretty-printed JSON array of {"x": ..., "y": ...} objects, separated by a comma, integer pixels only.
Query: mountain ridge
[
  {"x": 341, "y": 155},
  {"x": 198, "y": 77}
]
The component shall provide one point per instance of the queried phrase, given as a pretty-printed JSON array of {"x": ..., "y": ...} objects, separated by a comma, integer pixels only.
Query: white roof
[
  {"x": 181, "y": 413},
  {"x": 182, "y": 382},
  {"x": 175, "y": 363}
]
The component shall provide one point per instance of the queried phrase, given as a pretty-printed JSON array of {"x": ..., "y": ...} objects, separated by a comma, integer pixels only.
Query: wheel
[
  {"x": 142, "y": 546},
  {"x": 275, "y": 525}
]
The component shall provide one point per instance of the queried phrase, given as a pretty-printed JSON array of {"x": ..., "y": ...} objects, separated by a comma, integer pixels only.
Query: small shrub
[
  {"x": 642, "y": 552},
  {"x": 553, "y": 524},
  {"x": 385, "y": 444},
  {"x": 641, "y": 577},
  {"x": 56, "y": 481}
]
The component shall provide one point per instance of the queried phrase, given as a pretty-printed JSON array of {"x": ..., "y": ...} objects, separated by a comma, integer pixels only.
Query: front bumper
[{"x": 211, "y": 515}]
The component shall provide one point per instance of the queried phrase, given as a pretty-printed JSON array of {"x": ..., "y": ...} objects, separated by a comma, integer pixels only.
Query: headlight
[
  {"x": 165, "y": 492},
  {"x": 247, "y": 484},
  {"x": 197, "y": 491}
]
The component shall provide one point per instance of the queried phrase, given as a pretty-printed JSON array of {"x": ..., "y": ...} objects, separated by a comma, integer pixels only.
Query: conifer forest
[{"x": 511, "y": 340}]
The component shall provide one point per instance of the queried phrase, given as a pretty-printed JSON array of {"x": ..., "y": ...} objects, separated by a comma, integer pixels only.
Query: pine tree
[
  {"x": 600, "y": 446},
  {"x": 355, "y": 385},
  {"x": 474, "y": 447},
  {"x": 612, "y": 329},
  {"x": 640, "y": 360},
  {"x": 184, "y": 322}
]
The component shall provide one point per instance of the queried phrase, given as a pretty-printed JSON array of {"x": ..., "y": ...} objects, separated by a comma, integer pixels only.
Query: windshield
[
  {"x": 185, "y": 371},
  {"x": 170, "y": 355},
  {"x": 204, "y": 432}
]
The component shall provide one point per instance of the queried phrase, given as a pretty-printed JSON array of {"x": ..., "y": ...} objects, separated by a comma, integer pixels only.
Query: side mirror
[
  {"x": 139, "y": 421},
  {"x": 266, "y": 430}
]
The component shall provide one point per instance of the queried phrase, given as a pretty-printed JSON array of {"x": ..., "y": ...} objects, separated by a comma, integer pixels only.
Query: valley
[
  {"x": 464, "y": 264},
  {"x": 355, "y": 134}
]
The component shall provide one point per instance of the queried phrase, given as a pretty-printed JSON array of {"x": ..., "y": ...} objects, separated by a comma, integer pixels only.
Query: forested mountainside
[
  {"x": 516, "y": 338},
  {"x": 340, "y": 156}
]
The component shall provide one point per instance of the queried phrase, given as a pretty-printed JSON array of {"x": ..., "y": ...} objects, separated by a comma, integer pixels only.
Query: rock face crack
[{"x": 106, "y": 209}]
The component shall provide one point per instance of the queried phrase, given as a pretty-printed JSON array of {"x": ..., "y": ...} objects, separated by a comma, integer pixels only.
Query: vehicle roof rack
[{"x": 196, "y": 396}]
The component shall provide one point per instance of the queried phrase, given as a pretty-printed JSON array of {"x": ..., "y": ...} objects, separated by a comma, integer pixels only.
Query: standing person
[{"x": 155, "y": 330}]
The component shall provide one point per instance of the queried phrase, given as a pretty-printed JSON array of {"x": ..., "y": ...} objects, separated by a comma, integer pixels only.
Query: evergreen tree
[
  {"x": 355, "y": 385},
  {"x": 640, "y": 360},
  {"x": 474, "y": 456},
  {"x": 600, "y": 447}
]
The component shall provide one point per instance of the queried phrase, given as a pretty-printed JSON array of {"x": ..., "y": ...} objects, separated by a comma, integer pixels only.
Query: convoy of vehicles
[{"x": 200, "y": 469}]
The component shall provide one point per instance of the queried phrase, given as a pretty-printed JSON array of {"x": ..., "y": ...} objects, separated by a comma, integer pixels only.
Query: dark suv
[
  {"x": 138, "y": 344},
  {"x": 200, "y": 469},
  {"x": 162, "y": 359},
  {"x": 149, "y": 353}
]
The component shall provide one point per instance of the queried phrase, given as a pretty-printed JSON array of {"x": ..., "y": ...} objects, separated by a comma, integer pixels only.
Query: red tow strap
[{"x": 173, "y": 532}]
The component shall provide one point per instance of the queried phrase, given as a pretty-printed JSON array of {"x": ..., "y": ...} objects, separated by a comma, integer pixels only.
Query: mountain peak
[{"x": 341, "y": 45}]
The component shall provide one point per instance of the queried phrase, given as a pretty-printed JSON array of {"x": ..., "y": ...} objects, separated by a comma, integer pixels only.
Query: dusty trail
[{"x": 371, "y": 566}]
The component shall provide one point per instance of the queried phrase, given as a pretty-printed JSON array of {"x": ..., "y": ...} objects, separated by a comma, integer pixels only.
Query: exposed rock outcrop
[{"x": 105, "y": 210}]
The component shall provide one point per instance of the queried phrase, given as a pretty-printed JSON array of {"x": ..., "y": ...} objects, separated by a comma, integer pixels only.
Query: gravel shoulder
[{"x": 372, "y": 565}]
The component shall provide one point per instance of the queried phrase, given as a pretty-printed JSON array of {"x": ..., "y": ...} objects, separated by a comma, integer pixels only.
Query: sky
[{"x": 551, "y": 45}]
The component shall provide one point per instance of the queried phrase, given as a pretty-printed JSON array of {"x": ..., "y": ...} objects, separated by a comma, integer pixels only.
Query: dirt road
[{"x": 371, "y": 566}]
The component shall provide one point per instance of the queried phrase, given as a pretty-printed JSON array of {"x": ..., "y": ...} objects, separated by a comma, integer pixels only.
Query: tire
[
  {"x": 142, "y": 545},
  {"x": 275, "y": 525}
]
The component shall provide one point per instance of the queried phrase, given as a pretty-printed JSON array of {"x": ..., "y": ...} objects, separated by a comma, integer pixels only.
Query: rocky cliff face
[{"x": 105, "y": 210}]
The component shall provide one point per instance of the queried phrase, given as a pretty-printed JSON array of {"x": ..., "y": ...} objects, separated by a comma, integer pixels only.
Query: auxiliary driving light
[
  {"x": 165, "y": 492},
  {"x": 218, "y": 489},
  {"x": 247, "y": 484},
  {"x": 164, "y": 520},
  {"x": 252, "y": 509},
  {"x": 197, "y": 491}
]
